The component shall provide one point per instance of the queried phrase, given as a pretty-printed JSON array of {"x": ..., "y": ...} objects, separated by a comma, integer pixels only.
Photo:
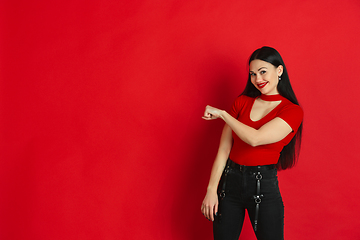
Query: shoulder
[
  {"x": 291, "y": 113},
  {"x": 288, "y": 106},
  {"x": 240, "y": 103}
]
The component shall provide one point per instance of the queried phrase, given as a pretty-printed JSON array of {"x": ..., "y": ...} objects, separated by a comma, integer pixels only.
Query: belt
[{"x": 243, "y": 168}]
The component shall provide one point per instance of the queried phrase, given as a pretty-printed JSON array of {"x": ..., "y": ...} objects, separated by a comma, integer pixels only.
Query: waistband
[{"x": 243, "y": 168}]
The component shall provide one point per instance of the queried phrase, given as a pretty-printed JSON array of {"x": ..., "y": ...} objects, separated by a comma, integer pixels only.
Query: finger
[
  {"x": 208, "y": 115},
  {"x": 216, "y": 209},
  {"x": 207, "y": 215},
  {"x": 208, "y": 111},
  {"x": 203, "y": 209},
  {"x": 211, "y": 213}
]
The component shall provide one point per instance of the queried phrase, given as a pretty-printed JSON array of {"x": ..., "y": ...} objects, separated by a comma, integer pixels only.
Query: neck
[{"x": 276, "y": 97}]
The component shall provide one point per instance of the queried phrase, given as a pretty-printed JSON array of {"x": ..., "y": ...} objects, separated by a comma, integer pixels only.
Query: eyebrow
[{"x": 259, "y": 69}]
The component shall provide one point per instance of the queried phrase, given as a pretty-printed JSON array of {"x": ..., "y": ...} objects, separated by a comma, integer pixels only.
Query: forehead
[{"x": 256, "y": 64}]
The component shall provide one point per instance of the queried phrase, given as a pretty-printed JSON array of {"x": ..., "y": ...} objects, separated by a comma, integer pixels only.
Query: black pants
[{"x": 240, "y": 188}]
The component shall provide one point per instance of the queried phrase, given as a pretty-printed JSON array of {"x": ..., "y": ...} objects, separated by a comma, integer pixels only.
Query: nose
[{"x": 258, "y": 78}]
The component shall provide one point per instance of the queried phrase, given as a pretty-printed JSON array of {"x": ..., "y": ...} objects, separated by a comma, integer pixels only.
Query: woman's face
[{"x": 265, "y": 76}]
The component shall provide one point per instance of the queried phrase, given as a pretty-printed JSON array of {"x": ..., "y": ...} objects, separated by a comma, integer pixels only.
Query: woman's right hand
[{"x": 210, "y": 204}]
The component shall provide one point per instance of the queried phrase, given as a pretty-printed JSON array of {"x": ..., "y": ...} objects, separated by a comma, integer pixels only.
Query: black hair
[{"x": 290, "y": 152}]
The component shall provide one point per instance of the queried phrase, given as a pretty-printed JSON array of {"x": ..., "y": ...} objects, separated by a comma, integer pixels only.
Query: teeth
[{"x": 261, "y": 85}]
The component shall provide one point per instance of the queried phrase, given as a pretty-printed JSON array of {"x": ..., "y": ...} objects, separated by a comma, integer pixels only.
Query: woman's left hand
[{"x": 211, "y": 113}]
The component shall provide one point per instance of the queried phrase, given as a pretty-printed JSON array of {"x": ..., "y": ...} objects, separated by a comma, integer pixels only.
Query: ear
[{"x": 280, "y": 70}]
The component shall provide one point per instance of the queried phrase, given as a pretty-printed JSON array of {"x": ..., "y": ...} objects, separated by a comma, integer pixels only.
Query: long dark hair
[{"x": 290, "y": 152}]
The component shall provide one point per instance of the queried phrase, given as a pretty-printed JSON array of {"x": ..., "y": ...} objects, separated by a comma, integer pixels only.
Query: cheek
[{"x": 253, "y": 82}]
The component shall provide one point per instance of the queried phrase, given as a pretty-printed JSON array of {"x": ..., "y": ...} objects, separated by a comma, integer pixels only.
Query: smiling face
[{"x": 265, "y": 76}]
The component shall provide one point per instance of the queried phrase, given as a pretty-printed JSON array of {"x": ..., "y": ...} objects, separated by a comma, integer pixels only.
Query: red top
[{"x": 243, "y": 153}]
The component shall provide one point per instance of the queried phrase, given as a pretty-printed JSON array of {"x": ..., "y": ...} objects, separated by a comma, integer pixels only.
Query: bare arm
[
  {"x": 209, "y": 206},
  {"x": 271, "y": 132}
]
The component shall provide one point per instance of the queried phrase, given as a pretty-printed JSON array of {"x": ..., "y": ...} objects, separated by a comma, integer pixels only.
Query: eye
[
  {"x": 252, "y": 74},
  {"x": 262, "y": 72}
]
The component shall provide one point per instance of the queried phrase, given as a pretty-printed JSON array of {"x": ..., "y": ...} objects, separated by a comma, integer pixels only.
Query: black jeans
[{"x": 240, "y": 189}]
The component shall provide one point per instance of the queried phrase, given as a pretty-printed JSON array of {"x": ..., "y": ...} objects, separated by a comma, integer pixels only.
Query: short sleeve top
[{"x": 245, "y": 154}]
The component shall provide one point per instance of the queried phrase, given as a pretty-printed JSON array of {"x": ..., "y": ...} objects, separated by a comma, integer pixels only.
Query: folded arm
[{"x": 271, "y": 132}]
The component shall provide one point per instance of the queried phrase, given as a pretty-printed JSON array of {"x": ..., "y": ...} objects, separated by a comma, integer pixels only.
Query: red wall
[{"x": 101, "y": 104}]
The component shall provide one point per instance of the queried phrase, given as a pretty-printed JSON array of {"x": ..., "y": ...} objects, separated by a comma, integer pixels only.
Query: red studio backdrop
[{"x": 101, "y": 104}]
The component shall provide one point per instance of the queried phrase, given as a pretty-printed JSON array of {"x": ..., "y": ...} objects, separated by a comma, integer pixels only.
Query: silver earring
[{"x": 279, "y": 78}]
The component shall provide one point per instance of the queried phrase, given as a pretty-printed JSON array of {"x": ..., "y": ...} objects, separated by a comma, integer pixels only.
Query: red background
[{"x": 101, "y": 104}]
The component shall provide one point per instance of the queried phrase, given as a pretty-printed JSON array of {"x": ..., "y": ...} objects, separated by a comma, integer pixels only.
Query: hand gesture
[
  {"x": 211, "y": 113},
  {"x": 209, "y": 206}
]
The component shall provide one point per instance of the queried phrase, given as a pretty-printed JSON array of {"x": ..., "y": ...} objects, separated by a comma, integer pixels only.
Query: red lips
[{"x": 261, "y": 85}]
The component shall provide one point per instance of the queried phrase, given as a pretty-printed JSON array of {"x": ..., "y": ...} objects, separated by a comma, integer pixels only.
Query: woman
[{"x": 262, "y": 134}]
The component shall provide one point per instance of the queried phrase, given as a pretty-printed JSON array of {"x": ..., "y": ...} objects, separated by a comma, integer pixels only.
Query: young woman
[{"x": 262, "y": 133}]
